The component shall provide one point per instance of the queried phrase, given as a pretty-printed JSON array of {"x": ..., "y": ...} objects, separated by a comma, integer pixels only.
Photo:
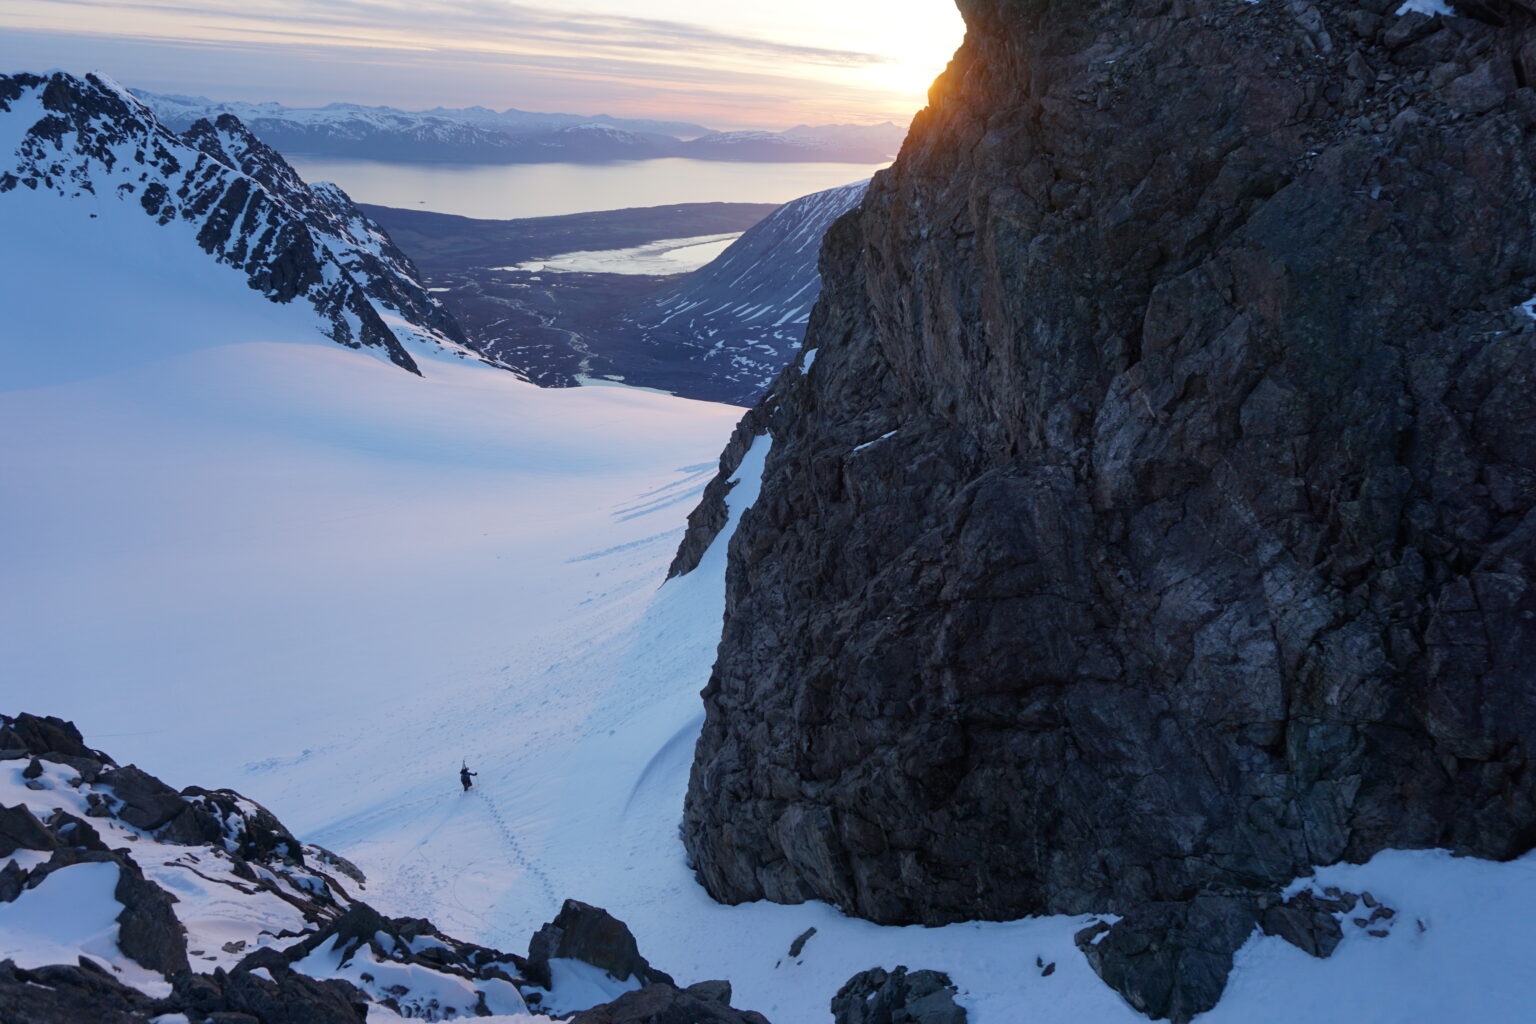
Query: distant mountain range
[
  {"x": 481, "y": 135},
  {"x": 721, "y": 333}
]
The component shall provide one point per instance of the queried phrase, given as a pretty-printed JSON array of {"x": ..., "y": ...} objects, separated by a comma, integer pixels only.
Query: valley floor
[{"x": 296, "y": 571}]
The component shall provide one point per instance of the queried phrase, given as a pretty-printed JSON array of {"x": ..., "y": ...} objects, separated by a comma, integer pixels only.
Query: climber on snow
[{"x": 464, "y": 776}]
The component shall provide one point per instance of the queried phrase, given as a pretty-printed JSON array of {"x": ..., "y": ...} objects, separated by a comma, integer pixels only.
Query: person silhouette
[{"x": 464, "y": 777}]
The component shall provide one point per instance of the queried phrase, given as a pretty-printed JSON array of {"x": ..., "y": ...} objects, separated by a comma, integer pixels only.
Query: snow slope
[
  {"x": 245, "y": 559},
  {"x": 291, "y": 569}
]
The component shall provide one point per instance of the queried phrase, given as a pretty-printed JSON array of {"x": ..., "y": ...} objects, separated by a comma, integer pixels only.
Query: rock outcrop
[
  {"x": 877, "y": 996},
  {"x": 249, "y": 925},
  {"x": 1151, "y": 513},
  {"x": 662, "y": 1003},
  {"x": 592, "y": 935}
]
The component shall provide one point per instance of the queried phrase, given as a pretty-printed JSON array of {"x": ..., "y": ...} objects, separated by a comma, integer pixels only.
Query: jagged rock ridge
[
  {"x": 1151, "y": 514},
  {"x": 83, "y": 137}
]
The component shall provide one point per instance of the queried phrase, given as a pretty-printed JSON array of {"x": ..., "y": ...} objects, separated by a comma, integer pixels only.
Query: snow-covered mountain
[
  {"x": 179, "y": 111},
  {"x": 384, "y": 133},
  {"x": 739, "y": 320},
  {"x": 82, "y": 159},
  {"x": 481, "y": 135},
  {"x": 832, "y": 142}
]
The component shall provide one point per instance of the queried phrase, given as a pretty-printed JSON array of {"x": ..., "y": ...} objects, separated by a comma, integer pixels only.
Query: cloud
[
  {"x": 303, "y": 72},
  {"x": 465, "y": 24},
  {"x": 456, "y": 53}
]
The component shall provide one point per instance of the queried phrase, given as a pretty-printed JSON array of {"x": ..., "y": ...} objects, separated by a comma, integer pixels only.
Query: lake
[{"x": 506, "y": 191}]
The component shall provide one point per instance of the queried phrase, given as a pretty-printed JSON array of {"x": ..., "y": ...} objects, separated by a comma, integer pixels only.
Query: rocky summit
[{"x": 1149, "y": 518}]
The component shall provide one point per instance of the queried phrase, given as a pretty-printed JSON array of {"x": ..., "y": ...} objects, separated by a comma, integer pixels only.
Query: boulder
[
  {"x": 294, "y": 998},
  {"x": 148, "y": 930},
  {"x": 12, "y": 881},
  {"x": 20, "y": 830},
  {"x": 592, "y": 935},
  {"x": 1172, "y": 959},
  {"x": 1308, "y": 922},
  {"x": 38, "y": 735},
  {"x": 877, "y": 996},
  {"x": 662, "y": 1003},
  {"x": 76, "y": 832},
  {"x": 255, "y": 831},
  {"x": 90, "y": 768},
  {"x": 290, "y": 998},
  {"x": 147, "y": 802},
  {"x": 711, "y": 991},
  {"x": 798, "y": 945},
  {"x": 336, "y": 862}
]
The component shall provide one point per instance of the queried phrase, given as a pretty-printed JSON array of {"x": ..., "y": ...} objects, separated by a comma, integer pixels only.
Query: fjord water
[{"x": 506, "y": 191}]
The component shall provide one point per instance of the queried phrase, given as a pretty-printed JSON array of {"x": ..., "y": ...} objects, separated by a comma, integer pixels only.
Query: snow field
[
  {"x": 242, "y": 556},
  {"x": 665, "y": 256}
]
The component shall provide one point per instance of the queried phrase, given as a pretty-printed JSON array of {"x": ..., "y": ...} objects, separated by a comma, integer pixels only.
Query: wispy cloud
[
  {"x": 489, "y": 51},
  {"x": 470, "y": 24}
]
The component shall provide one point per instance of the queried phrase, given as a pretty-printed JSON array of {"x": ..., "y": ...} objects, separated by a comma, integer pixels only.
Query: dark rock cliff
[{"x": 1151, "y": 517}]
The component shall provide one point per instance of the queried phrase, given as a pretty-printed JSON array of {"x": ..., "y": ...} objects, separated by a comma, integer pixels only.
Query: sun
[{"x": 916, "y": 50}]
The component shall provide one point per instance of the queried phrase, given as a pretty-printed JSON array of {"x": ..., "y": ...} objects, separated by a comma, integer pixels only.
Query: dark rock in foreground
[
  {"x": 1171, "y": 959},
  {"x": 592, "y": 935},
  {"x": 246, "y": 855},
  {"x": 663, "y": 1004},
  {"x": 877, "y": 996}
]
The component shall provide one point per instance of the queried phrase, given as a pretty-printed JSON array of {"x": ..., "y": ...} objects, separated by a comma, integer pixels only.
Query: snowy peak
[
  {"x": 744, "y": 314},
  {"x": 481, "y": 135},
  {"x": 223, "y": 190}
]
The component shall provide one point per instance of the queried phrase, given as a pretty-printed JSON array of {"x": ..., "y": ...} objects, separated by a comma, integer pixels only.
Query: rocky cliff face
[{"x": 1151, "y": 516}]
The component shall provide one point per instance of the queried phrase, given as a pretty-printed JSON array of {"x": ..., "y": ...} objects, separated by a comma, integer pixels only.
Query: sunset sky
[{"x": 724, "y": 63}]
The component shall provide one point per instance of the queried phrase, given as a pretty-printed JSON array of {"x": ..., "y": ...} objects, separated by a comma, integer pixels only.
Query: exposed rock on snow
[
  {"x": 798, "y": 945},
  {"x": 206, "y": 879},
  {"x": 711, "y": 515},
  {"x": 593, "y": 936},
  {"x": 67, "y": 994},
  {"x": 664, "y": 1004},
  {"x": 1172, "y": 959},
  {"x": 237, "y": 200},
  {"x": 877, "y": 996},
  {"x": 1203, "y": 551}
]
